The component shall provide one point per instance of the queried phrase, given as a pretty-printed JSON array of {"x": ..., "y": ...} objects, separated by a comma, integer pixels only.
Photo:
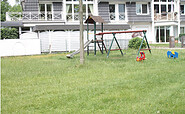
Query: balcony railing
[
  {"x": 172, "y": 16},
  {"x": 75, "y": 17},
  {"x": 33, "y": 16},
  {"x": 120, "y": 16}
]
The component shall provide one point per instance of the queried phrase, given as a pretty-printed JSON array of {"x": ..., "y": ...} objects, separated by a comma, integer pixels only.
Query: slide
[{"x": 78, "y": 51}]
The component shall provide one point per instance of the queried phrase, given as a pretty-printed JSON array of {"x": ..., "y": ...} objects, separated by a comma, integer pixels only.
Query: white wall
[
  {"x": 145, "y": 26},
  {"x": 14, "y": 47}
]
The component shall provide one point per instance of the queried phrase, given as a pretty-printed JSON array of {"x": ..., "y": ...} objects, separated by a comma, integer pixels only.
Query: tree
[
  {"x": 9, "y": 33},
  {"x": 16, "y": 8},
  {"x": 5, "y": 6}
]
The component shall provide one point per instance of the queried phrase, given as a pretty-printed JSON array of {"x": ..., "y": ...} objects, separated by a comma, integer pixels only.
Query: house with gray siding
[{"x": 56, "y": 22}]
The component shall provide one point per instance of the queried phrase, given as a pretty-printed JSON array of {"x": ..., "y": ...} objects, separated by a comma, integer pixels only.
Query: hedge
[
  {"x": 136, "y": 42},
  {"x": 9, "y": 33}
]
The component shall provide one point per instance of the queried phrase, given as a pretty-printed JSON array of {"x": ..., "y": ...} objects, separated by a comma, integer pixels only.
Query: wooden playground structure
[{"x": 97, "y": 19}]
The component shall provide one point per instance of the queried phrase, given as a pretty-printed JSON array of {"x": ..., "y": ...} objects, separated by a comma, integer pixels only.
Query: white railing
[
  {"x": 121, "y": 16},
  {"x": 33, "y": 16},
  {"x": 117, "y": 17},
  {"x": 75, "y": 16},
  {"x": 13, "y": 16},
  {"x": 112, "y": 16},
  {"x": 171, "y": 16}
]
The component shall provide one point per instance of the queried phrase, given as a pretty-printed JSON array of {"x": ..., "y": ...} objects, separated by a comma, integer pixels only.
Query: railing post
[
  {"x": 52, "y": 15},
  {"x": 7, "y": 16},
  {"x": 61, "y": 16},
  {"x": 30, "y": 16}
]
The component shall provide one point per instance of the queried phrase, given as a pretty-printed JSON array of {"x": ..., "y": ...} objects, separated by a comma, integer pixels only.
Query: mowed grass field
[{"x": 118, "y": 84}]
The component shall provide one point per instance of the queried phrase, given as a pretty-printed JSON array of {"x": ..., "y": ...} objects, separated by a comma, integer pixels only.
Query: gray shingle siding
[
  {"x": 182, "y": 18},
  {"x": 103, "y": 10},
  {"x": 133, "y": 17},
  {"x": 31, "y": 5},
  {"x": 57, "y": 6}
]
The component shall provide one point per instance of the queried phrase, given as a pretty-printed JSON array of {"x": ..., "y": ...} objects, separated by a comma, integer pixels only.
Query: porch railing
[
  {"x": 171, "y": 16},
  {"x": 114, "y": 16},
  {"x": 75, "y": 16},
  {"x": 33, "y": 16}
]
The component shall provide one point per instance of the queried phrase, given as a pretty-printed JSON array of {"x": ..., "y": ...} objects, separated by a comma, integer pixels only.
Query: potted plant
[
  {"x": 180, "y": 36},
  {"x": 176, "y": 40}
]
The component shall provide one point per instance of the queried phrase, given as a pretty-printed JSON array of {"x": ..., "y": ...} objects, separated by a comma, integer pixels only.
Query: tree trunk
[{"x": 82, "y": 60}]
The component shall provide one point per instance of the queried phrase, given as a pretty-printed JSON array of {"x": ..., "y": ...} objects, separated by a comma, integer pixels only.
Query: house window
[
  {"x": 121, "y": 11},
  {"x": 182, "y": 9},
  {"x": 182, "y": 30},
  {"x": 117, "y": 12},
  {"x": 142, "y": 9},
  {"x": 45, "y": 11},
  {"x": 72, "y": 9},
  {"x": 162, "y": 34},
  {"x": 112, "y": 12}
]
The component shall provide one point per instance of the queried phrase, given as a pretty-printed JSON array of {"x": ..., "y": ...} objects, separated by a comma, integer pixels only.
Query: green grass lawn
[
  {"x": 54, "y": 84},
  {"x": 177, "y": 45},
  {"x": 159, "y": 45}
]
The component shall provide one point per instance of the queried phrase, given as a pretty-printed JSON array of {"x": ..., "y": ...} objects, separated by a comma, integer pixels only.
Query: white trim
[
  {"x": 184, "y": 9},
  {"x": 141, "y": 3},
  {"x": 77, "y": 3},
  {"x": 117, "y": 12}
]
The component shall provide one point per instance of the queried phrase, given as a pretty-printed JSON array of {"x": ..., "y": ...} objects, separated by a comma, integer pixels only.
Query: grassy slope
[{"x": 54, "y": 84}]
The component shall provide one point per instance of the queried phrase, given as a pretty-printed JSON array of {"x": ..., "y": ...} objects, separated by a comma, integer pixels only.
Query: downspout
[
  {"x": 153, "y": 25},
  {"x": 178, "y": 4}
]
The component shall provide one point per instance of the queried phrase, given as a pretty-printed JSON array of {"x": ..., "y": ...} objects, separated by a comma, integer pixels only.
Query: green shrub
[
  {"x": 136, "y": 42},
  {"x": 9, "y": 33}
]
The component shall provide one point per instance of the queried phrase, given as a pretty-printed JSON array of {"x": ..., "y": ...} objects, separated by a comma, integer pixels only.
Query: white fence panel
[
  {"x": 15, "y": 47},
  {"x": 75, "y": 40},
  {"x": 44, "y": 38},
  {"x": 59, "y": 41},
  {"x": 29, "y": 35},
  {"x": 70, "y": 40}
]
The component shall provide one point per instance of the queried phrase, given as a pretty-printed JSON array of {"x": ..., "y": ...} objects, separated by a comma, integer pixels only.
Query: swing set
[{"x": 98, "y": 19}]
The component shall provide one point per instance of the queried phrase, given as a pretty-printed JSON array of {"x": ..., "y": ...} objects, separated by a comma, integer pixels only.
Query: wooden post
[
  {"x": 94, "y": 38},
  {"x": 87, "y": 37},
  {"x": 102, "y": 36},
  {"x": 82, "y": 60}
]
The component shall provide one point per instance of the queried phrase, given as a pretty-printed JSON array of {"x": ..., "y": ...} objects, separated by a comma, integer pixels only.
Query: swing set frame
[
  {"x": 94, "y": 20},
  {"x": 119, "y": 32}
]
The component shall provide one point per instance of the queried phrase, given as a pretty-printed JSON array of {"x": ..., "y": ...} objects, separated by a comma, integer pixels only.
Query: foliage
[
  {"x": 136, "y": 42},
  {"x": 180, "y": 35},
  {"x": 5, "y": 6},
  {"x": 9, "y": 33},
  {"x": 16, "y": 8},
  {"x": 117, "y": 85}
]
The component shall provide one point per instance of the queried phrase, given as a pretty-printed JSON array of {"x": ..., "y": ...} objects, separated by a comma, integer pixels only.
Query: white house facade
[{"x": 56, "y": 22}]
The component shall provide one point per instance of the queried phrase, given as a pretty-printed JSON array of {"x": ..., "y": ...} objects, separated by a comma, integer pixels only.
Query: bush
[
  {"x": 136, "y": 42},
  {"x": 9, "y": 33}
]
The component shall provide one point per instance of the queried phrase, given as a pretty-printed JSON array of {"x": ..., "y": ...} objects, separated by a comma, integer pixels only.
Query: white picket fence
[{"x": 17, "y": 47}]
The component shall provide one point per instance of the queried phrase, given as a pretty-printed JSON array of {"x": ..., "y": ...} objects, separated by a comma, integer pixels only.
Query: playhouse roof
[{"x": 92, "y": 19}]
